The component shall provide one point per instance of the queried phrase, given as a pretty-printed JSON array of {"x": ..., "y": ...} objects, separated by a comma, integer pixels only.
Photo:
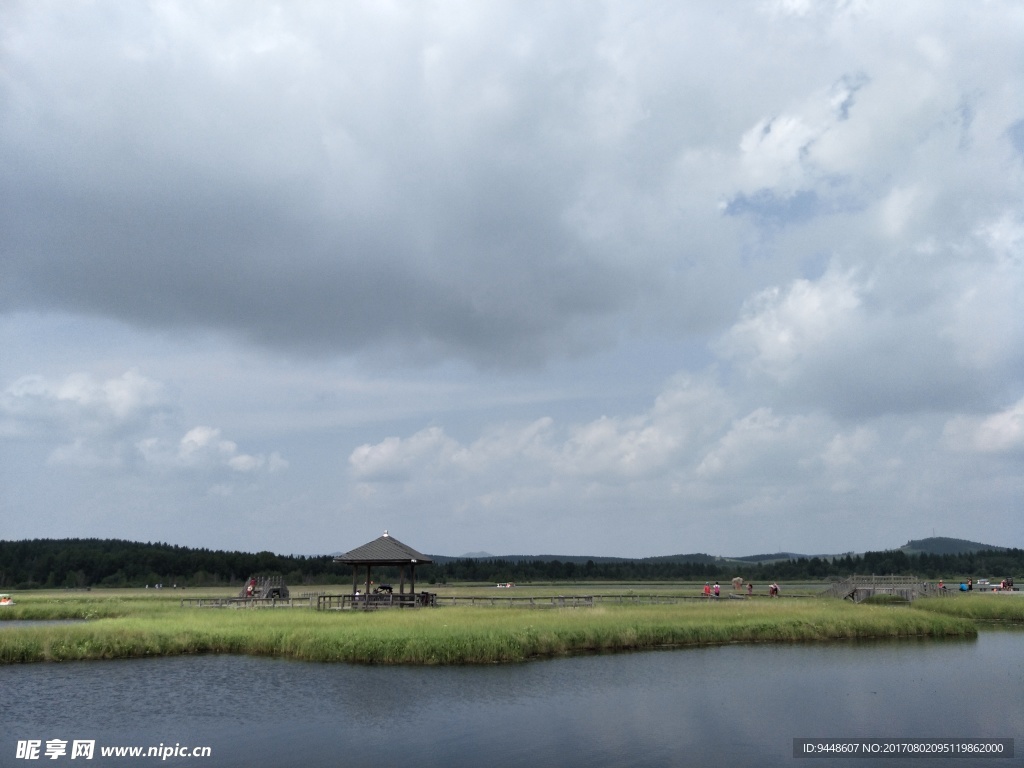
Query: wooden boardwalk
[
  {"x": 508, "y": 601},
  {"x": 860, "y": 587},
  {"x": 323, "y": 601},
  {"x": 374, "y": 602},
  {"x": 371, "y": 602},
  {"x": 248, "y": 602}
]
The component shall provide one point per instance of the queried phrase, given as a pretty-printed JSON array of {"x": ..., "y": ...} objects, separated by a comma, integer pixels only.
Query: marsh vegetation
[{"x": 125, "y": 624}]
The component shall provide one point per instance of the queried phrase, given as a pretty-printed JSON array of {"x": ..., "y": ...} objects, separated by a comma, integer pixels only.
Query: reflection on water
[{"x": 736, "y": 705}]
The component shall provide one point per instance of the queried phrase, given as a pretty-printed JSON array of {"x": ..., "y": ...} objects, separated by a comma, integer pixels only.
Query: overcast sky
[{"x": 626, "y": 278}]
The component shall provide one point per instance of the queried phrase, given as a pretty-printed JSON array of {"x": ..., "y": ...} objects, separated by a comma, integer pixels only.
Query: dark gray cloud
[
  {"x": 240, "y": 264},
  {"x": 302, "y": 194}
]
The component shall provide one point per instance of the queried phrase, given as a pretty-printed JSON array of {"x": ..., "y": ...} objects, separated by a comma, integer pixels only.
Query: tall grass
[
  {"x": 38, "y": 608},
  {"x": 461, "y": 635},
  {"x": 980, "y": 607}
]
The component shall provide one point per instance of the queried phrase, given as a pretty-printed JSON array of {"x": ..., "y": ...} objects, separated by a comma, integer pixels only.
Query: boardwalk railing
[
  {"x": 249, "y": 602},
  {"x": 860, "y": 587},
  {"x": 660, "y": 599},
  {"x": 569, "y": 601},
  {"x": 369, "y": 602},
  {"x": 556, "y": 601}
]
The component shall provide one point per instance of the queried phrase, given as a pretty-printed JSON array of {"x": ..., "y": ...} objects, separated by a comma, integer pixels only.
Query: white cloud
[
  {"x": 604, "y": 451},
  {"x": 931, "y": 328},
  {"x": 87, "y": 455},
  {"x": 782, "y": 331},
  {"x": 80, "y": 403},
  {"x": 395, "y": 459},
  {"x": 202, "y": 448},
  {"x": 277, "y": 463},
  {"x": 774, "y": 154},
  {"x": 898, "y": 209},
  {"x": 762, "y": 448},
  {"x": 617, "y": 448},
  {"x": 987, "y": 298},
  {"x": 850, "y": 448},
  {"x": 105, "y": 425},
  {"x": 246, "y": 463},
  {"x": 1001, "y": 432},
  {"x": 507, "y": 443},
  {"x": 203, "y": 441}
]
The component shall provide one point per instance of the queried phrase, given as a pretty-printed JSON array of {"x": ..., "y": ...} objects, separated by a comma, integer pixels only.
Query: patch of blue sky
[
  {"x": 845, "y": 93},
  {"x": 1016, "y": 134},
  {"x": 769, "y": 207}
]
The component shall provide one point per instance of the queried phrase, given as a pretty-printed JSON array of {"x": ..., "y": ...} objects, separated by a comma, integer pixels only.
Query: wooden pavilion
[{"x": 385, "y": 551}]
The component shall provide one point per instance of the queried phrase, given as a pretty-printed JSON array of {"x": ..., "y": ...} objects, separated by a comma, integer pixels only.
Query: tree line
[
  {"x": 82, "y": 563},
  {"x": 986, "y": 563}
]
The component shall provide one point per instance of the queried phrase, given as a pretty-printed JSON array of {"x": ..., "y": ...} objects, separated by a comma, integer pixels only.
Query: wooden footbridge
[
  {"x": 861, "y": 587},
  {"x": 247, "y": 602}
]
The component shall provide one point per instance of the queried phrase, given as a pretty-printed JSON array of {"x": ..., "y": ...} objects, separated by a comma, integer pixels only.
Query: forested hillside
[
  {"x": 80, "y": 563},
  {"x": 942, "y": 545},
  {"x": 993, "y": 563}
]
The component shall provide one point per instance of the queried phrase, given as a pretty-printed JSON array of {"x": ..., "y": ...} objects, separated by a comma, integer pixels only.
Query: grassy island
[
  {"x": 979, "y": 607},
  {"x": 126, "y": 626}
]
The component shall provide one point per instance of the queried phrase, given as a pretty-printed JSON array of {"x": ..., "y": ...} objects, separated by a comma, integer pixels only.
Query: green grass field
[
  {"x": 980, "y": 607},
  {"x": 137, "y": 623}
]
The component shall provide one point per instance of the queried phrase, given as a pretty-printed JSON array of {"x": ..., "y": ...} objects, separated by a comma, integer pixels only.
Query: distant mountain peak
[{"x": 943, "y": 545}]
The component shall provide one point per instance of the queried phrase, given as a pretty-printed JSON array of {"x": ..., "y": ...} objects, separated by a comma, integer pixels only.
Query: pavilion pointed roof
[{"x": 385, "y": 550}]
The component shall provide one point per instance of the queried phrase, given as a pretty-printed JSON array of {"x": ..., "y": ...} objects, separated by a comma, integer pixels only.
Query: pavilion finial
[{"x": 385, "y": 532}]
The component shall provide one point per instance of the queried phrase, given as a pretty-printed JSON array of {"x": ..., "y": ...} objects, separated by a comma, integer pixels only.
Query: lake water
[{"x": 738, "y": 705}]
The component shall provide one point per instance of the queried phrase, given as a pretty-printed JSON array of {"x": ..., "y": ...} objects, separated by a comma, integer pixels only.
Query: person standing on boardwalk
[
  {"x": 707, "y": 589},
  {"x": 718, "y": 590},
  {"x": 750, "y": 588}
]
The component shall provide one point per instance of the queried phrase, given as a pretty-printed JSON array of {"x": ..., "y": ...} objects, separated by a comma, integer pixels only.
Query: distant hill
[
  {"x": 578, "y": 559},
  {"x": 941, "y": 545},
  {"x": 486, "y": 557},
  {"x": 697, "y": 557},
  {"x": 936, "y": 545},
  {"x": 773, "y": 558}
]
